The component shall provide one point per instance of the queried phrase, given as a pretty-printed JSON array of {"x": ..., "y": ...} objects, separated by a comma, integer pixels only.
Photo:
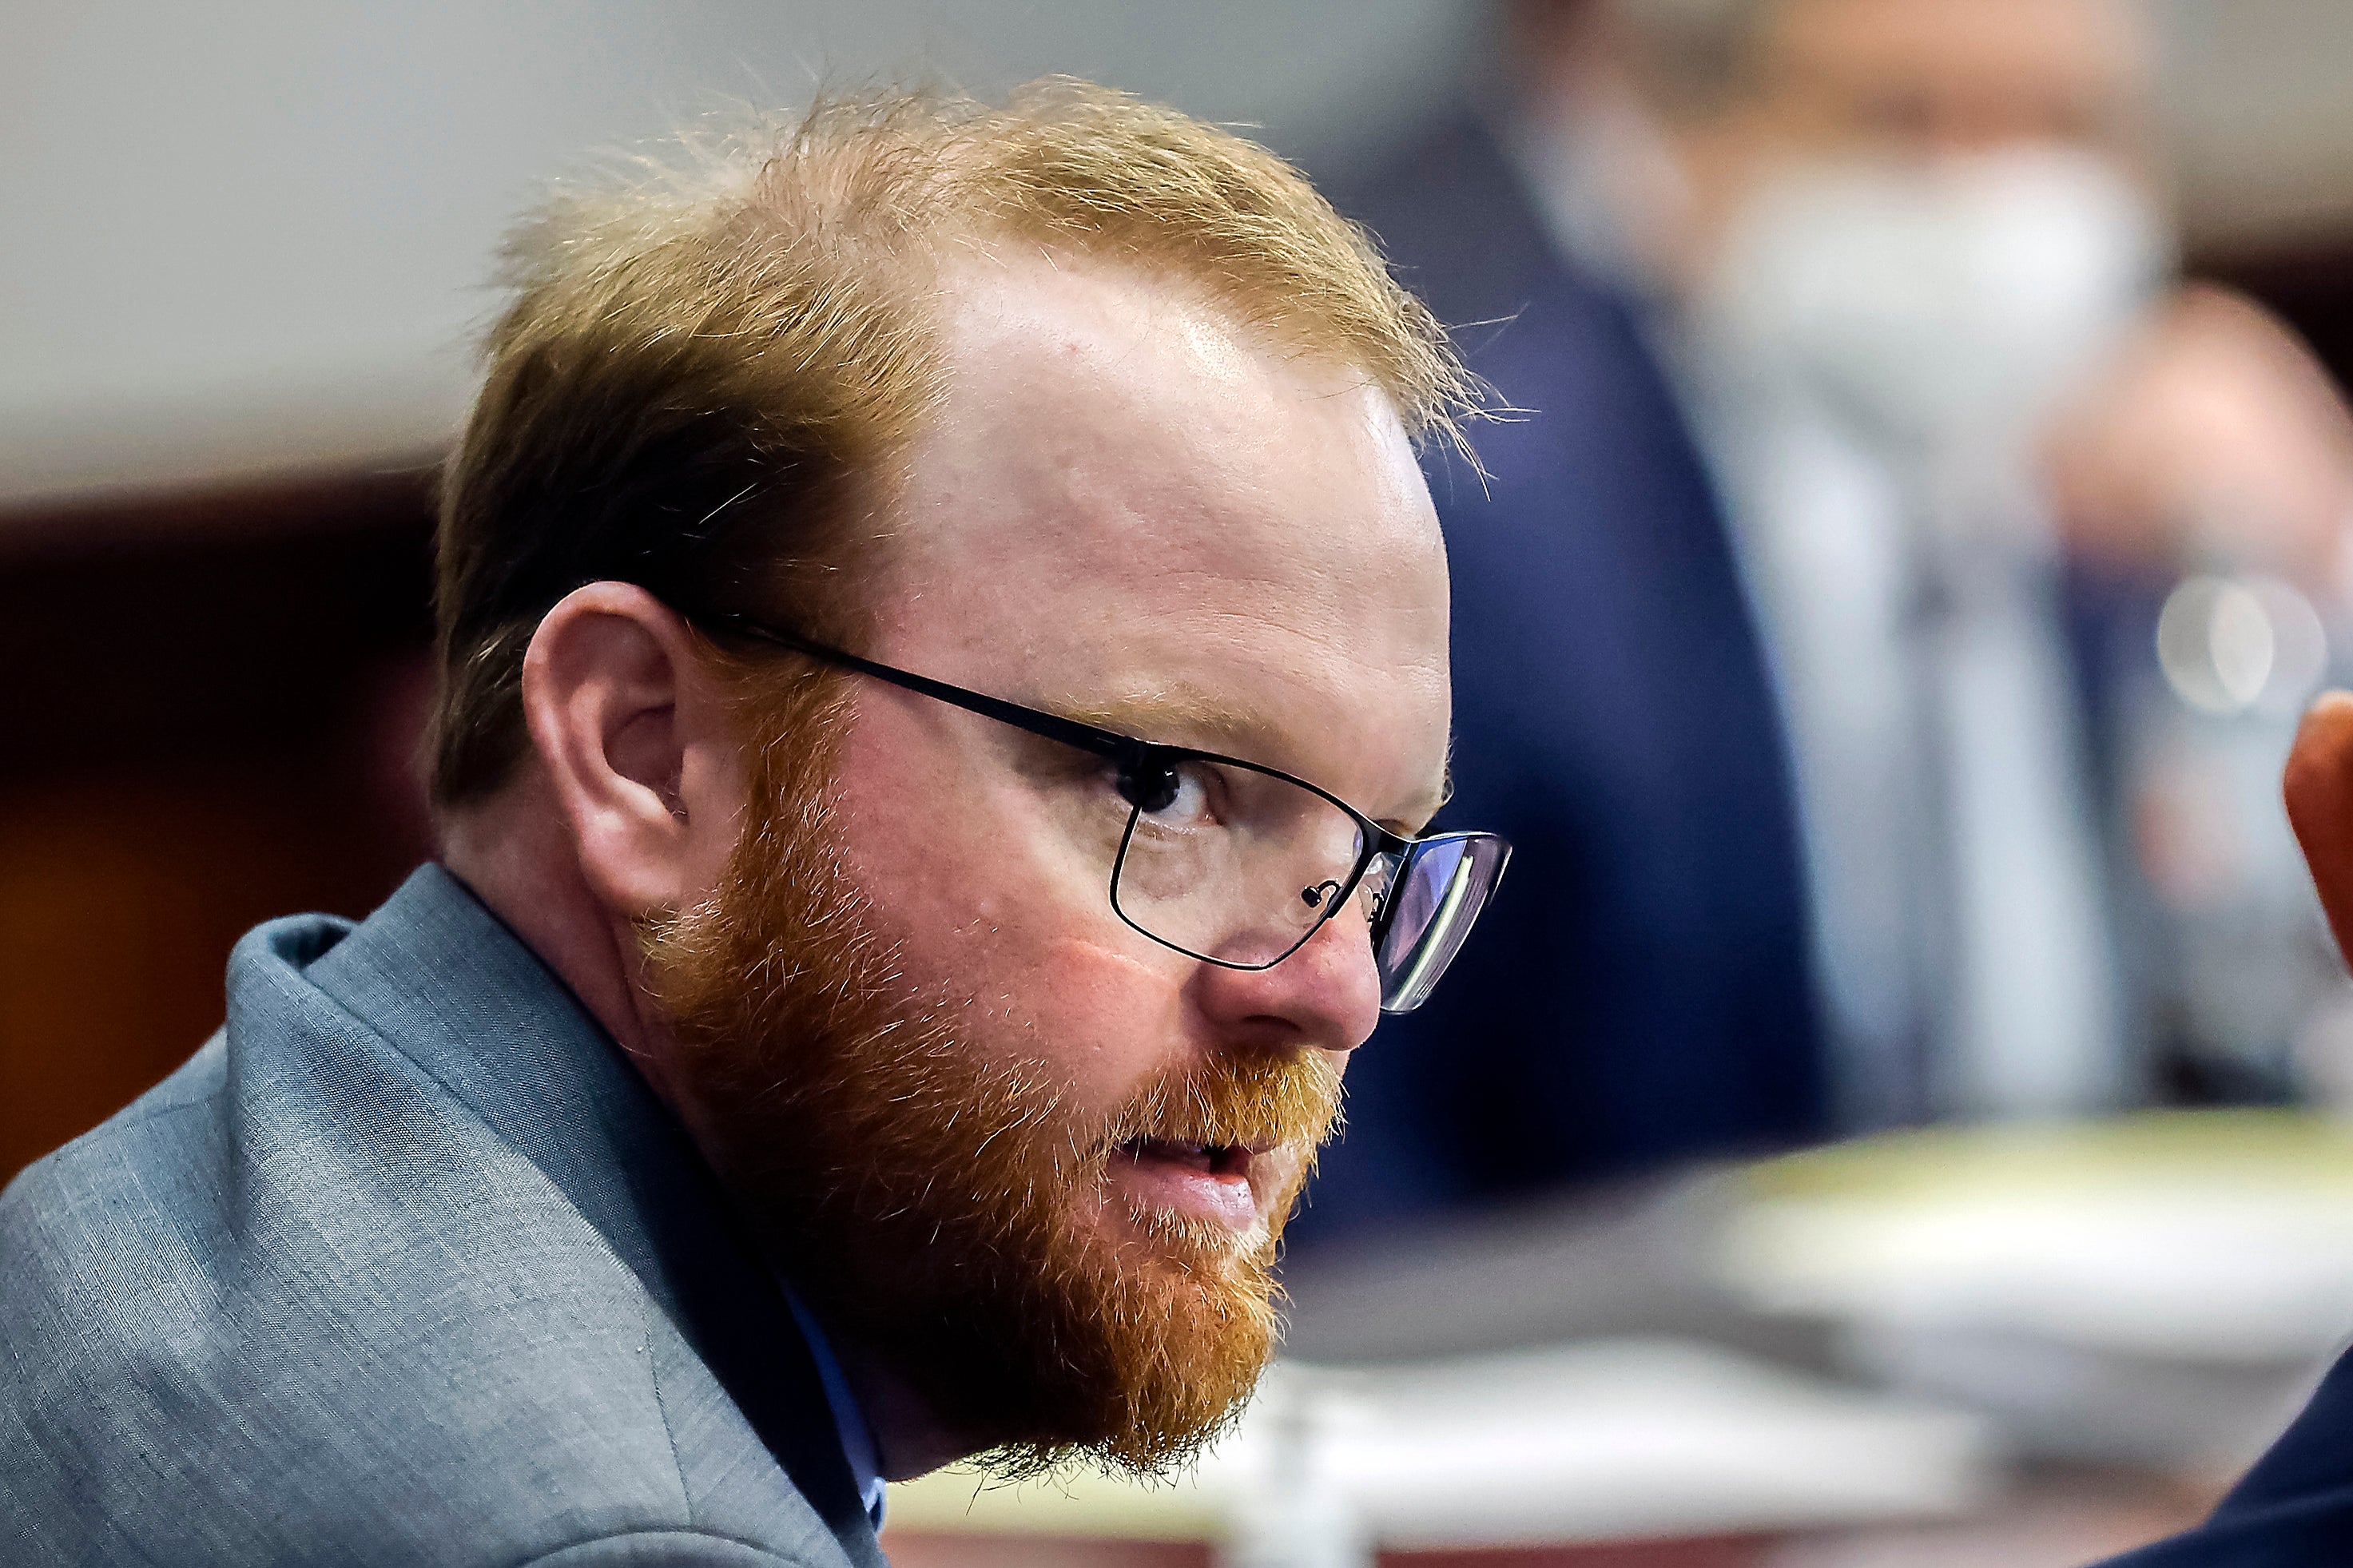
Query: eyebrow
[
  {"x": 1175, "y": 716},
  {"x": 1185, "y": 715}
]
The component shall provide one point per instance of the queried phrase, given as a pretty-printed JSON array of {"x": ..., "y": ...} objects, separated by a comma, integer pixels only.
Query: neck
[
  {"x": 513, "y": 853},
  {"x": 910, "y": 1438}
]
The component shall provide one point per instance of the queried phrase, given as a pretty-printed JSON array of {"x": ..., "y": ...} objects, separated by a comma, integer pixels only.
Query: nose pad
[
  {"x": 1314, "y": 897},
  {"x": 1378, "y": 887}
]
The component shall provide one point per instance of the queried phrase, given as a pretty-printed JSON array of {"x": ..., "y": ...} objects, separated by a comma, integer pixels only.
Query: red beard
[{"x": 940, "y": 1207}]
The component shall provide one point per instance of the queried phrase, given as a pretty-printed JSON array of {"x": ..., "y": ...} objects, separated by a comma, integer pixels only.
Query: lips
[
  {"x": 1198, "y": 1180},
  {"x": 1217, "y": 1159}
]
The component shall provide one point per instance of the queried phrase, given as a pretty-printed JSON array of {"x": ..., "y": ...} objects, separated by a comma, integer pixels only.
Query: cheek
[
  {"x": 980, "y": 912},
  {"x": 939, "y": 844},
  {"x": 1110, "y": 1021}
]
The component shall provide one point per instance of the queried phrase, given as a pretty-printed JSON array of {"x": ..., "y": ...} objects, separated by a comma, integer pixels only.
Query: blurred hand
[
  {"x": 2319, "y": 789},
  {"x": 2216, "y": 440}
]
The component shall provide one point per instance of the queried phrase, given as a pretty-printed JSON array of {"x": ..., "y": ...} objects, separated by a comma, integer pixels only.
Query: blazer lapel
[{"x": 498, "y": 1029}]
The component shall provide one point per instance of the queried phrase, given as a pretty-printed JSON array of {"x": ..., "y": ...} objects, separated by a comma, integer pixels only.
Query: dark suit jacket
[
  {"x": 2294, "y": 1509},
  {"x": 1639, "y": 993},
  {"x": 406, "y": 1266}
]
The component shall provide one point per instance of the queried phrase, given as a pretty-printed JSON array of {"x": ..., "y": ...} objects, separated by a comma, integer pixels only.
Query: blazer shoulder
[{"x": 301, "y": 1303}]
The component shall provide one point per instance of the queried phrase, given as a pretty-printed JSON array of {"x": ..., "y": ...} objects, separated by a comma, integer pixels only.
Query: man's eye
[{"x": 1179, "y": 798}]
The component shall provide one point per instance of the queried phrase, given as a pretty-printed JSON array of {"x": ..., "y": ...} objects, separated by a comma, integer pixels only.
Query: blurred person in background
[
  {"x": 1859, "y": 416},
  {"x": 805, "y": 1067}
]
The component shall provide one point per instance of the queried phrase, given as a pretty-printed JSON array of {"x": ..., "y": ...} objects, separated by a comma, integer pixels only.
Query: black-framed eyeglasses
[{"x": 1235, "y": 863}]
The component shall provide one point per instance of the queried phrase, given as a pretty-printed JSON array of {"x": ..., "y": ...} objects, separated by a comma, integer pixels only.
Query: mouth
[{"x": 1209, "y": 1182}]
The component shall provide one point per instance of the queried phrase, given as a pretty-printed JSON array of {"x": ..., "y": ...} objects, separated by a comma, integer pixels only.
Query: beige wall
[
  {"x": 257, "y": 233},
  {"x": 237, "y": 237}
]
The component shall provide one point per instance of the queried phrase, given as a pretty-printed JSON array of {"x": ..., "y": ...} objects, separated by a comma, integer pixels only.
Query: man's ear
[
  {"x": 2319, "y": 788},
  {"x": 638, "y": 748}
]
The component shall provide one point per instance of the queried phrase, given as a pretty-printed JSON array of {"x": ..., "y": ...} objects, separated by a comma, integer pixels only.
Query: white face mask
[{"x": 1938, "y": 302}]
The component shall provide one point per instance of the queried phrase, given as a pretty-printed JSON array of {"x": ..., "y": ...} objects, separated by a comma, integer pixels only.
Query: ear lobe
[
  {"x": 614, "y": 700},
  {"x": 2319, "y": 791}
]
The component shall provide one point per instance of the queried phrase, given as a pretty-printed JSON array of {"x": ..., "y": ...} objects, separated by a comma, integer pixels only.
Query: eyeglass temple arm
[
  {"x": 1037, "y": 721},
  {"x": 1125, "y": 750}
]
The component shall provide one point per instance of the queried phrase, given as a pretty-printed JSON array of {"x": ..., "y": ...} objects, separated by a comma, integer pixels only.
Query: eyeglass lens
[
  {"x": 1444, "y": 884},
  {"x": 1239, "y": 866},
  {"x": 1234, "y": 865}
]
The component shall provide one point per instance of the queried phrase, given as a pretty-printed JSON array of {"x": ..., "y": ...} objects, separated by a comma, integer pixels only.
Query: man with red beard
[{"x": 943, "y": 663}]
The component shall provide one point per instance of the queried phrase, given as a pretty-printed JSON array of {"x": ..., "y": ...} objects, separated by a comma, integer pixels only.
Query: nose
[{"x": 1325, "y": 996}]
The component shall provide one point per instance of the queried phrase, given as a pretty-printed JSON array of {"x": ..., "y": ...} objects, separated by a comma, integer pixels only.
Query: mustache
[{"x": 1260, "y": 1100}]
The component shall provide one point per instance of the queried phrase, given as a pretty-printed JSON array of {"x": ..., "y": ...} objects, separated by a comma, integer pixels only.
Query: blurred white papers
[
  {"x": 1635, "y": 1437},
  {"x": 2210, "y": 1237},
  {"x": 1598, "y": 1441},
  {"x": 2159, "y": 1291},
  {"x": 2173, "y": 1271}
]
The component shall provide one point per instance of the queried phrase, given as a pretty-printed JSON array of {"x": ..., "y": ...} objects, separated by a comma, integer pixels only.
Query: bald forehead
[
  {"x": 1125, "y": 491},
  {"x": 1130, "y": 419},
  {"x": 1147, "y": 357}
]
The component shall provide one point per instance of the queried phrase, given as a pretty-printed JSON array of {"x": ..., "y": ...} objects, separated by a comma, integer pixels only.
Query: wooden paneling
[{"x": 210, "y": 720}]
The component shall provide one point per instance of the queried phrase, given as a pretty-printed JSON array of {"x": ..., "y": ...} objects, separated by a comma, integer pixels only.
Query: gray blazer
[{"x": 406, "y": 1266}]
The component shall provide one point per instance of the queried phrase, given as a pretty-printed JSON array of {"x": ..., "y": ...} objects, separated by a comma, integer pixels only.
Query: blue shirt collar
[{"x": 857, "y": 1437}]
